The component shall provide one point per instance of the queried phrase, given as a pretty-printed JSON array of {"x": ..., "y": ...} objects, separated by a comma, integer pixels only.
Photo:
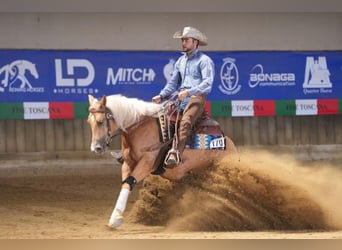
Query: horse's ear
[
  {"x": 103, "y": 100},
  {"x": 90, "y": 98}
]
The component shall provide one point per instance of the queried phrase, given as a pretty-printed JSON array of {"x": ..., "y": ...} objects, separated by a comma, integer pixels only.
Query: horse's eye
[{"x": 99, "y": 123}]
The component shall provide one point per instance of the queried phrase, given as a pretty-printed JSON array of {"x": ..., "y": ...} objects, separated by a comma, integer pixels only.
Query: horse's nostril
[{"x": 98, "y": 149}]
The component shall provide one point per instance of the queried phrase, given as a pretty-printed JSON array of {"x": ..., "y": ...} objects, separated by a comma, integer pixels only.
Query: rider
[{"x": 193, "y": 74}]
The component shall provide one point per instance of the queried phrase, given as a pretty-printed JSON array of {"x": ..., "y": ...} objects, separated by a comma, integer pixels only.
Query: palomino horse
[{"x": 136, "y": 121}]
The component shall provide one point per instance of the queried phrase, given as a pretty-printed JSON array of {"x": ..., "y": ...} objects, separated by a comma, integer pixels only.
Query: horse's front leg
[
  {"x": 116, "y": 219},
  {"x": 130, "y": 178}
]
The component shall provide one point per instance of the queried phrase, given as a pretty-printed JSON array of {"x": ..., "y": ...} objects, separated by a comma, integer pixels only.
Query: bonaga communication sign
[
  {"x": 278, "y": 75},
  {"x": 69, "y": 76}
]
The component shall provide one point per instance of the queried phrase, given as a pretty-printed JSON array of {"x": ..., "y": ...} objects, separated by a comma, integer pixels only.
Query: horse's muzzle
[{"x": 99, "y": 150}]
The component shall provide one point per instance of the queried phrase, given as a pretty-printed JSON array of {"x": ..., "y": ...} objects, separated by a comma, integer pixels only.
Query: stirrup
[{"x": 177, "y": 156}]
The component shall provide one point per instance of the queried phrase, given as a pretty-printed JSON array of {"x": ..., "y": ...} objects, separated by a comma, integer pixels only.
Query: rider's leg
[{"x": 192, "y": 112}]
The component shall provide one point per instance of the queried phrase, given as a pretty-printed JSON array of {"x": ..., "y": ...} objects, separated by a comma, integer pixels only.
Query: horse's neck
[
  {"x": 144, "y": 135},
  {"x": 129, "y": 112}
]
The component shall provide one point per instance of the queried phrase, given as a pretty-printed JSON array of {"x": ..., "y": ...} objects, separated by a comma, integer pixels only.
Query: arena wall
[{"x": 153, "y": 31}]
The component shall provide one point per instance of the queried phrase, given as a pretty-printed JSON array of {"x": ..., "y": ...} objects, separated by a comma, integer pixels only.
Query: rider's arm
[{"x": 173, "y": 84}]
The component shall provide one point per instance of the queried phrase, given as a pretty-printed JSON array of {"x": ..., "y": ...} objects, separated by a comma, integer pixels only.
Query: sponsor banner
[
  {"x": 69, "y": 76},
  {"x": 242, "y": 108},
  {"x": 327, "y": 107},
  {"x": 58, "y": 110},
  {"x": 271, "y": 107},
  {"x": 317, "y": 107},
  {"x": 208, "y": 107},
  {"x": 43, "y": 110},
  {"x": 221, "y": 109},
  {"x": 264, "y": 108},
  {"x": 36, "y": 110},
  {"x": 287, "y": 107},
  {"x": 11, "y": 110},
  {"x": 306, "y": 107},
  {"x": 277, "y": 75},
  {"x": 79, "y": 110},
  {"x": 247, "y": 83}
]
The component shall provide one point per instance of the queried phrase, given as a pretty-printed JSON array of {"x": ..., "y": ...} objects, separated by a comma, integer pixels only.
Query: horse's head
[
  {"x": 33, "y": 70},
  {"x": 101, "y": 123},
  {"x": 24, "y": 65}
]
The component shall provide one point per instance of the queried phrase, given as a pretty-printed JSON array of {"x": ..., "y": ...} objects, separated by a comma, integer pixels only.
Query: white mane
[{"x": 128, "y": 111}]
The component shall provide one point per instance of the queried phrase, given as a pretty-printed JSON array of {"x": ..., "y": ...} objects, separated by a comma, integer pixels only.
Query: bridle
[{"x": 109, "y": 117}]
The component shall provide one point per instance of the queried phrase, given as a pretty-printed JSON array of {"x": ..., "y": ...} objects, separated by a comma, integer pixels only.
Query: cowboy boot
[{"x": 171, "y": 160}]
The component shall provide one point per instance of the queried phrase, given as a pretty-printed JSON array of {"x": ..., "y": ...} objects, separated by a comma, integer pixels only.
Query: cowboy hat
[{"x": 193, "y": 33}]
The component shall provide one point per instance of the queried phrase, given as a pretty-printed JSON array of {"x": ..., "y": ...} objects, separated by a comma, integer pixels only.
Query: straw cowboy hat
[{"x": 193, "y": 33}]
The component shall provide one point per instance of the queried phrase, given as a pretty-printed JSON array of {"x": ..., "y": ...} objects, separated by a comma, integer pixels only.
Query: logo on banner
[
  {"x": 258, "y": 77},
  {"x": 130, "y": 76},
  {"x": 18, "y": 77},
  {"x": 168, "y": 69},
  {"x": 79, "y": 75},
  {"x": 317, "y": 76},
  {"x": 229, "y": 75}
]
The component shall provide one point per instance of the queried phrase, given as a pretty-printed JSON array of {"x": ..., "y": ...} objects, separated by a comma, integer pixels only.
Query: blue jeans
[{"x": 183, "y": 104}]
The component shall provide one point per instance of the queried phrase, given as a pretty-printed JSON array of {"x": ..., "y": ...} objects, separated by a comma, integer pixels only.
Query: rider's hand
[
  {"x": 183, "y": 94},
  {"x": 157, "y": 99}
]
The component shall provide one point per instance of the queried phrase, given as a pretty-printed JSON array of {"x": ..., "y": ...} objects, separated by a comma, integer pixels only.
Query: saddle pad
[{"x": 204, "y": 141}]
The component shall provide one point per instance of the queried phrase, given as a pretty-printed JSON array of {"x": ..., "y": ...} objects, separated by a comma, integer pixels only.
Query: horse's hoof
[{"x": 116, "y": 223}]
